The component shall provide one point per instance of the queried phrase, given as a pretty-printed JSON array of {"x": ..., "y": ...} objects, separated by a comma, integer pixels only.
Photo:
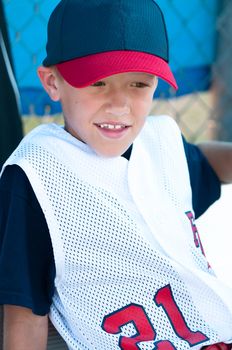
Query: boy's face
[{"x": 109, "y": 114}]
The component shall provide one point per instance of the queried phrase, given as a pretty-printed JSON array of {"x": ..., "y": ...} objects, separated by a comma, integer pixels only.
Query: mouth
[
  {"x": 112, "y": 126},
  {"x": 112, "y": 130}
]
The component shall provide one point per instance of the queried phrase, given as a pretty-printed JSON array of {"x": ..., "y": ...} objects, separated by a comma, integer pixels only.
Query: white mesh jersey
[{"x": 130, "y": 270}]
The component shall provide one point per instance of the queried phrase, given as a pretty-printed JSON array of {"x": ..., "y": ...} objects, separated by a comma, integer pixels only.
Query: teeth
[{"x": 111, "y": 126}]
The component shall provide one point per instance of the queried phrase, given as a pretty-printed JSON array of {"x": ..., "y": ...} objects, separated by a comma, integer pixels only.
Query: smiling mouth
[{"x": 112, "y": 126}]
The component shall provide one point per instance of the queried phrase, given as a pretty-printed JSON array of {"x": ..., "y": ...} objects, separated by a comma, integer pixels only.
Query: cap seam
[
  {"x": 123, "y": 25},
  {"x": 61, "y": 30},
  {"x": 165, "y": 28},
  {"x": 113, "y": 50}
]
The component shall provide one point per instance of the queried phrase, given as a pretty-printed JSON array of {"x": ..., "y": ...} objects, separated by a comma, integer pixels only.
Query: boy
[{"x": 114, "y": 189}]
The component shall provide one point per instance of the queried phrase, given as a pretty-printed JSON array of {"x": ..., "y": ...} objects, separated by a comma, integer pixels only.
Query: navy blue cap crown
[{"x": 79, "y": 28}]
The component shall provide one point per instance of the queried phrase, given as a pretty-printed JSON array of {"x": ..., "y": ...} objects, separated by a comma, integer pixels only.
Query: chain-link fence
[{"x": 200, "y": 33}]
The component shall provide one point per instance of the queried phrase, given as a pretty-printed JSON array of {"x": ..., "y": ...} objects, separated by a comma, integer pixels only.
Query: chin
[{"x": 110, "y": 153}]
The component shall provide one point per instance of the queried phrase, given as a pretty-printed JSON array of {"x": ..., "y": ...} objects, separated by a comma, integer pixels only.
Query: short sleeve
[
  {"x": 205, "y": 184},
  {"x": 27, "y": 266}
]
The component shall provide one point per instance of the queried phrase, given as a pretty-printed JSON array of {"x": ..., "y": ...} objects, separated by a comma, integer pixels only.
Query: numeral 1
[{"x": 164, "y": 298}]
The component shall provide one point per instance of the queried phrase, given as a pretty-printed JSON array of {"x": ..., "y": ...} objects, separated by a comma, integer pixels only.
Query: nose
[{"x": 118, "y": 104}]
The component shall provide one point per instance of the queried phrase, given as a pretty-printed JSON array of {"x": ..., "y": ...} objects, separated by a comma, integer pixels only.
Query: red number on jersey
[
  {"x": 165, "y": 299},
  {"x": 196, "y": 235},
  {"x": 136, "y": 315}
]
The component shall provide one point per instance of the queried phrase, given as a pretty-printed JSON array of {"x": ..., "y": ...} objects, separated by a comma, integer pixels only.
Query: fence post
[{"x": 222, "y": 74}]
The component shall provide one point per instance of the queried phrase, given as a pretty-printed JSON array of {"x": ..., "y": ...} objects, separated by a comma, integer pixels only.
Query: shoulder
[
  {"x": 15, "y": 183},
  {"x": 163, "y": 127},
  {"x": 13, "y": 175},
  {"x": 162, "y": 121},
  {"x": 162, "y": 132}
]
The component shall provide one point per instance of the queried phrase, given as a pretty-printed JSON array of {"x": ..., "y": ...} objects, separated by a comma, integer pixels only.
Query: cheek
[
  {"x": 73, "y": 107},
  {"x": 143, "y": 106},
  {"x": 149, "y": 102}
]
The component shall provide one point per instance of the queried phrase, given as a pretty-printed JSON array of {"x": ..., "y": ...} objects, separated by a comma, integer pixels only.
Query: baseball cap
[{"x": 89, "y": 40}]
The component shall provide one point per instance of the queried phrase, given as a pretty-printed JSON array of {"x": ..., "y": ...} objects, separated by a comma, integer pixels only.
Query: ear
[
  {"x": 156, "y": 82},
  {"x": 49, "y": 81}
]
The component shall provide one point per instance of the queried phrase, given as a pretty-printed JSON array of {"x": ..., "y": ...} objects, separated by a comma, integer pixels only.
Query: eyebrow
[{"x": 148, "y": 75}]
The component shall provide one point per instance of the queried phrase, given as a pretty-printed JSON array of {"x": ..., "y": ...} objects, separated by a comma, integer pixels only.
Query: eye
[
  {"x": 98, "y": 83},
  {"x": 140, "y": 84}
]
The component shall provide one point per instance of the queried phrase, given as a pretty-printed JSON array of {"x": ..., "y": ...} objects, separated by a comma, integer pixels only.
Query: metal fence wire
[{"x": 200, "y": 33}]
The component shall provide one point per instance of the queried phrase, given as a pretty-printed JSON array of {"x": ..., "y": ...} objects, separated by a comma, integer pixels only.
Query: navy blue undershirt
[{"x": 27, "y": 268}]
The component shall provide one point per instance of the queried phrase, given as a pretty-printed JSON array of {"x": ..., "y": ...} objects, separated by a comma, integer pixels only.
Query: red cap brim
[{"x": 84, "y": 71}]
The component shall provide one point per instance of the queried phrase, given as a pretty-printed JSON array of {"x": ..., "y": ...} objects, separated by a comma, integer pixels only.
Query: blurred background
[{"x": 200, "y": 35}]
